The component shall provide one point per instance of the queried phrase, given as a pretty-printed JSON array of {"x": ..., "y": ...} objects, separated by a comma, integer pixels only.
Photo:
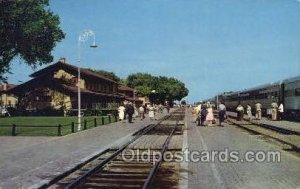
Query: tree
[
  {"x": 143, "y": 82},
  {"x": 28, "y": 30},
  {"x": 110, "y": 75},
  {"x": 158, "y": 89}
]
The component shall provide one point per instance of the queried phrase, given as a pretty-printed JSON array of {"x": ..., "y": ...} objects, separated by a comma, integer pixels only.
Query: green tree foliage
[
  {"x": 28, "y": 30},
  {"x": 110, "y": 75},
  {"x": 158, "y": 89}
]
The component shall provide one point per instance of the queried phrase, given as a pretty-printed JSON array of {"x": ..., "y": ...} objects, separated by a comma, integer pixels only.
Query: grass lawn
[{"x": 7, "y": 122}]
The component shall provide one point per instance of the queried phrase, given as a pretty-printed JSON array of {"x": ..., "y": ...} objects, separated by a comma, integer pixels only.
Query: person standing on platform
[
  {"x": 160, "y": 108},
  {"x": 194, "y": 113},
  {"x": 258, "y": 111},
  {"x": 198, "y": 114},
  {"x": 222, "y": 113},
  {"x": 168, "y": 108},
  {"x": 249, "y": 112},
  {"x": 130, "y": 111},
  {"x": 121, "y": 112},
  {"x": 203, "y": 114},
  {"x": 210, "y": 115},
  {"x": 240, "y": 112},
  {"x": 136, "y": 112},
  {"x": 142, "y": 112},
  {"x": 151, "y": 112},
  {"x": 274, "y": 107},
  {"x": 280, "y": 112},
  {"x": 145, "y": 109}
]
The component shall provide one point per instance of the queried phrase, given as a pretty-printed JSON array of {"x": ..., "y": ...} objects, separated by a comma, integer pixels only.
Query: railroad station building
[
  {"x": 54, "y": 88},
  {"x": 130, "y": 95},
  {"x": 7, "y": 99}
]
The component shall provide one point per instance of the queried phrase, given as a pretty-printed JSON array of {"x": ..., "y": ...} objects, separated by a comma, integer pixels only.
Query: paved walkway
[
  {"x": 289, "y": 125},
  {"x": 246, "y": 175},
  {"x": 29, "y": 162}
]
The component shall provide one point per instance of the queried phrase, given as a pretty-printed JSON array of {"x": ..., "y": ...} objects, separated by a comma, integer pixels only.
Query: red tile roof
[
  {"x": 133, "y": 99},
  {"x": 57, "y": 84},
  {"x": 73, "y": 69},
  {"x": 125, "y": 88},
  {"x": 8, "y": 87}
]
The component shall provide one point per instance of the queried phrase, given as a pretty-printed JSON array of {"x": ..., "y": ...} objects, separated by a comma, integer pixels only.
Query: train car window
[
  {"x": 290, "y": 93},
  {"x": 297, "y": 92}
]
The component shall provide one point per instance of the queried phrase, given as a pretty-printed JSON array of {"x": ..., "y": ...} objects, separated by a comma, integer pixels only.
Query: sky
[{"x": 212, "y": 46}]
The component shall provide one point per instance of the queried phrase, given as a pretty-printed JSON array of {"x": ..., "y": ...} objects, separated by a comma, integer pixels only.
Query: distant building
[
  {"x": 145, "y": 100},
  {"x": 129, "y": 95},
  {"x": 55, "y": 88},
  {"x": 7, "y": 99}
]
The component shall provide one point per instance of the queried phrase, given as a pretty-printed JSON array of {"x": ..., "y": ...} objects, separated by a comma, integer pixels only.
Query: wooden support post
[
  {"x": 59, "y": 130},
  {"x": 73, "y": 127},
  {"x": 85, "y": 125},
  {"x": 13, "y": 131},
  {"x": 95, "y": 122},
  {"x": 109, "y": 119},
  {"x": 102, "y": 120}
]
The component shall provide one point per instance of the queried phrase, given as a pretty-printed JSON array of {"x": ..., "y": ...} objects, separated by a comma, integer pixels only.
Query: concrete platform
[
  {"x": 217, "y": 174},
  {"x": 29, "y": 162}
]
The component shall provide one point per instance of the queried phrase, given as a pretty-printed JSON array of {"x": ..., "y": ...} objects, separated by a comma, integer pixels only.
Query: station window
[{"x": 297, "y": 92}]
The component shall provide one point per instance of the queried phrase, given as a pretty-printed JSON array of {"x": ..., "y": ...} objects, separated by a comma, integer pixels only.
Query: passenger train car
[{"x": 286, "y": 91}]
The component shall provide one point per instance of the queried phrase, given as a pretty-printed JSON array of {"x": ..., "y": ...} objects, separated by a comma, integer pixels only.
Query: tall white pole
[
  {"x": 217, "y": 102},
  {"x": 82, "y": 38},
  {"x": 78, "y": 89},
  {"x": 134, "y": 97}
]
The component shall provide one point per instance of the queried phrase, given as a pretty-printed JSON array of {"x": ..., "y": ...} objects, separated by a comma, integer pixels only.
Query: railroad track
[
  {"x": 271, "y": 127},
  {"x": 270, "y": 132},
  {"x": 117, "y": 168}
]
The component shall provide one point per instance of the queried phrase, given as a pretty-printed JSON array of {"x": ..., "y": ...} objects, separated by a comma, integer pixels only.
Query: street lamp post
[
  {"x": 152, "y": 94},
  {"x": 134, "y": 91},
  {"x": 84, "y": 36}
]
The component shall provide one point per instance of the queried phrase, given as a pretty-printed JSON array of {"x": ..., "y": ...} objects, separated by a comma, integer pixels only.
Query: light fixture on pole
[
  {"x": 84, "y": 36},
  {"x": 134, "y": 91}
]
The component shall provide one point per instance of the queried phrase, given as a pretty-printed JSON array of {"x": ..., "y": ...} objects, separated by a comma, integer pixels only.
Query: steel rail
[
  {"x": 275, "y": 128},
  {"x": 157, "y": 164},
  {"x": 76, "y": 182},
  {"x": 294, "y": 147}
]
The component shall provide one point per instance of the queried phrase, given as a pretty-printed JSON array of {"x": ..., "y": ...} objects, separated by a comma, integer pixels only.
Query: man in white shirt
[
  {"x": 280, "y": 111},
  {"x": 222, "y": 113},
  {"x": 258, "y": 111}
]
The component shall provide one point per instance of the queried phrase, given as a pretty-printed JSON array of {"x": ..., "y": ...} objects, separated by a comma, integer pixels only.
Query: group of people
[
  {"x": 241, "y": 110},
  {"x": 205, "y": 116},
  {"x": 275, "y": 111},
  {"x": 129, "y": 110},
  {"x": 204, "y": 113}
]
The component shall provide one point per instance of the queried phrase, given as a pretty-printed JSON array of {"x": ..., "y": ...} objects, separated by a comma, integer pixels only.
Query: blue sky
[{"x": 210, "y": 45}]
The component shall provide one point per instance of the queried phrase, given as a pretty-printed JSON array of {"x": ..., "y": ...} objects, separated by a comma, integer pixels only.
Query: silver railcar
[{"x": 286, "y": 91}]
